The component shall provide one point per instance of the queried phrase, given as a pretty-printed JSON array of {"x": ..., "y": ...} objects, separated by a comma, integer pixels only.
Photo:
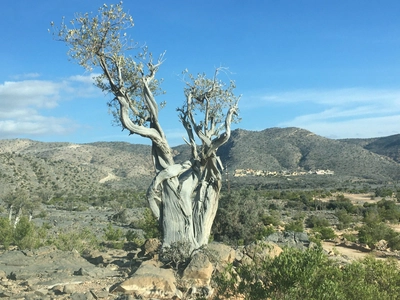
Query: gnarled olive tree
[{"x": 183, "y": 196}]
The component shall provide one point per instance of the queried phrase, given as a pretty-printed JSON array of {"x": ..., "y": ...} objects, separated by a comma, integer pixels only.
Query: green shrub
[
  {"x": 325, "y": 233},
  {"x": 371, "y": 233},
  {"x": 295, "y": 225},
  {"x": 112, "y": 234},
  {"x": 27, "y": 235},
  {"x": 235, "y": 225},
  {"x": 176, "y": 255},
  {"x": 316, "y": 221},
  {"x": 345, "y": 219},
  {"x": 350, "y": 237},
  {"x": 78, "y": 240},
  {"x": 309, "y": 274},
  {"x": 132, "y": 236},
  {"x": 6, "y": 233},
  {"x": 271, "y": 219},
  {"x": 149, "y": 225},
  {"x": 341, "y": 202}
]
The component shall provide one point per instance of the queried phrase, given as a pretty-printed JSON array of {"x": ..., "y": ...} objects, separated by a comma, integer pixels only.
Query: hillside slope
[
  {"x": 91, "y": 168},
  {"x": 299, "y": 149},
  {"x": 388, "y": 146}
]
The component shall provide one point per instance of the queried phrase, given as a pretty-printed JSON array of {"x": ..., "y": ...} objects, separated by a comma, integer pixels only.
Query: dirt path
[
  {"x": 110, "y": 176},
  {"x": 346, "y": 252}
]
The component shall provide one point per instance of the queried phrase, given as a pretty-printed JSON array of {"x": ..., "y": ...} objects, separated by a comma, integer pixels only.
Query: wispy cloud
[
  {"x": 25, "y": 76},
  {"x": 352, "y": 112},
  {"x": 26, "y": 105}
]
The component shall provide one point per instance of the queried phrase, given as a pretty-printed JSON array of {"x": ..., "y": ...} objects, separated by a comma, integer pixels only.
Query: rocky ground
[{"x": 130, "y": 273}]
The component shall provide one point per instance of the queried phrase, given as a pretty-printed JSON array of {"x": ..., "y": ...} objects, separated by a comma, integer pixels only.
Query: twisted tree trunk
[{"x": 183, "y": 197}]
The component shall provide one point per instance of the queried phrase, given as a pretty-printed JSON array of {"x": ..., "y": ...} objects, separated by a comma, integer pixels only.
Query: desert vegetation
[
  {"x": 246, "y": 215},
  {"x": 310, "y": 274}
]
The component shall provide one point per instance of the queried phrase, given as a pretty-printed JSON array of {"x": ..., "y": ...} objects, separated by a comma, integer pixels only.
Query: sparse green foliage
[
  {"x": 295, "y": 225},
  {"x": 309, "y": 274},
  {"x": 112, "y": 234},
  {"x": 373, "y": 232},
  {"x": 177, "y": 254},
  {"x": 25, "y": 235},
  {"x": 78, "y": 240},
  {"x": 345, "y": 219},
  {"x": 6, "y": 232},
  {"x": 316, "y": 221},
  {"x": 132, "y": 236},
  {"x": 149, "y": 225},
  {"x": 236, "y": 225},
  {"x": 325, "y": 233},
  {"x": 341, "y": 202}
]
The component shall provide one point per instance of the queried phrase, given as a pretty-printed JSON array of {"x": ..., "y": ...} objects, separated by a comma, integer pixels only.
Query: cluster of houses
[{"x": 251, "y": 172}]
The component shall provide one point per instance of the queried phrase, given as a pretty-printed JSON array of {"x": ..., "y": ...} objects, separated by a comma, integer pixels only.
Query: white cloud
[
  {"x": 343, "y": 113},
  {"x": 26, "y": 106},
  {"x": 25, "y": 76},
  {"x": 333, "y": 97},
  {"x": 354, "y": 128},
  {"x": 19, "y": 94},
  {"x": 340, "y": 113}
]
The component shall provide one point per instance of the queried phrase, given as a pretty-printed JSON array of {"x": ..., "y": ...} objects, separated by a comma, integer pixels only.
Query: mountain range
[{"x": 68, "y": 167}]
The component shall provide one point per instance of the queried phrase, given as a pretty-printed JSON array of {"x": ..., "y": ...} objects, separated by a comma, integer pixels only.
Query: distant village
[{"x": 251, "y": 172}]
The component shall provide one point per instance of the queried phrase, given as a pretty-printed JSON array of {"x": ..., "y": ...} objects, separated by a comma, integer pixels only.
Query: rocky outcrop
[
  {"x": 48, "y": 272},
  {"x": 298, "y": 240},
  {"x": 151, "y": 281}
]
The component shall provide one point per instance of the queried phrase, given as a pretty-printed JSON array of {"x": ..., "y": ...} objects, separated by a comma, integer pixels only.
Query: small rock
[
  {"x": 81, "y": 272},
  {"x": 382, "y": 245},
  {"x": 41, "y": 292},
  {"x": 81, "y": 296},
  {"x": 151, "y": 247},
  {"x": 99, "y": 294},
  {"x": 69, "y": 288},
  {"x": 58, "y": 289}
]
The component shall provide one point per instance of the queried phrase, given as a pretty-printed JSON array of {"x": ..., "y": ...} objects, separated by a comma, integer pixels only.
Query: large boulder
[
  {"x": 222, "y": 254},
  {"x": 199, "y": 270},
  {"x": 290, "y": 239},
  {"x": 151, "y": 281},
  {"x": 259, "y": 251}
]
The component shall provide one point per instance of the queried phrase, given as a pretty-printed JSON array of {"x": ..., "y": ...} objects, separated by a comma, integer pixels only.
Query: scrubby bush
[
  {"x": 6, "y": 233},
  {"x": 341, "y": 202},
  {"x": 309, "y": 274},
  {"x": 295, "y": 225},
  {"x": 149, "y": 225},
  {"x": 383, "y": 192},
  {"x": 324, "y": 232},
  {"x": 316, "y": 221},
  {"x": 372, "y": 232},
  {"x": 79, "y": 240},
  {"x": 344, "y": 218},
  {"x": 25, "y": 235},
  {"x": 176, "y": 255},
  {"x": 112, "y": 234},
  {"x": 241, "y": 218}
]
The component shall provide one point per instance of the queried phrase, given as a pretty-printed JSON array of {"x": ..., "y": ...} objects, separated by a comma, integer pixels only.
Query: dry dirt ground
[{"x": 348, "y": 252}]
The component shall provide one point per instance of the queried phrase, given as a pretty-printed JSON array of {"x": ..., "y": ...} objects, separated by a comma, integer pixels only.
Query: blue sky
[{"x": 331, "y": 67}]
